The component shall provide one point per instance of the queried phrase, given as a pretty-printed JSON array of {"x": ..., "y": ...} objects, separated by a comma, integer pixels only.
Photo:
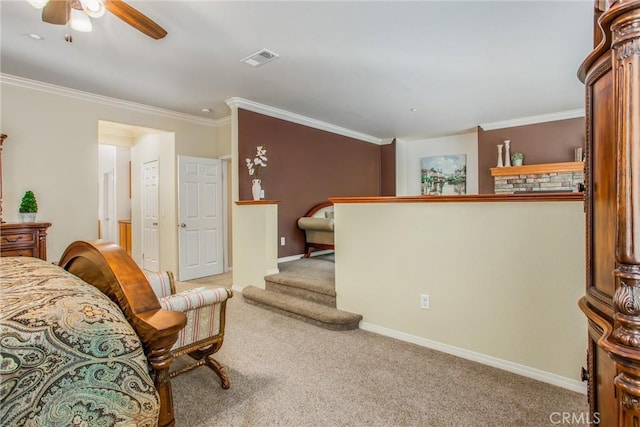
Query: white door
[
  {"x": 108, "y": 229},
  {"x": 150, "y": 248},
  {"x": 200, "y": 217}
]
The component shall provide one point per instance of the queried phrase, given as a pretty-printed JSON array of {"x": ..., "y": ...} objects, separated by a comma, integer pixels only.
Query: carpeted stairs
[{"x": 304, "y": 289}]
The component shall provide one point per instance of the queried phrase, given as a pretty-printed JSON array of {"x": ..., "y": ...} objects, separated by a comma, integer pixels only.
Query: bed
[{"x": 85, "y": 342}]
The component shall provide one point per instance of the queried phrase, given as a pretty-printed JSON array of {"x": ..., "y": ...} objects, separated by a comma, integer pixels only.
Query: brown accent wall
[
  {"x": 388, "y": 169},
  {"x": 306, "y": 166},
  {"x": 550, "y": 142}
]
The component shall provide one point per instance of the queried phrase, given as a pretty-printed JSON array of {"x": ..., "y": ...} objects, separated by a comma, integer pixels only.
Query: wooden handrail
[{"x": 466, "y": 198}]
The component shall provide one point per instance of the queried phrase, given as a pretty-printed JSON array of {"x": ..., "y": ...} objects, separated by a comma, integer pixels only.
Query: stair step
[
  {"x": 322, "y": 286},
  {"x": 308, "y": 311},
  {"x": 308, "y": 290}
]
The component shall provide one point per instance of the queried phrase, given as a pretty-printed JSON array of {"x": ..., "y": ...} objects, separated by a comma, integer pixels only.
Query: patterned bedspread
[{"x": 68, "y": 356}]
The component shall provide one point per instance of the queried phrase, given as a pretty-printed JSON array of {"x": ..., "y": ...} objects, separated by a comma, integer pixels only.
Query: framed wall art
[{"x": 441, "y": 175}]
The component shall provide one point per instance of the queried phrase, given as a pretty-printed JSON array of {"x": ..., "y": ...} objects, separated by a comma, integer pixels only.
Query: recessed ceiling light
[
  {"x": 414, "y": 110},
  {"x": 206, "y": 110},
  {"x": 36, "y": 36}
]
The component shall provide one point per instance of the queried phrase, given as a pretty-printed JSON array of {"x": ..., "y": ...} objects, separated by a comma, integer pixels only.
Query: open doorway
[
  {"x": 146, "y": 222},
  {"x": 125, "y": 207},
  {"x": 114, "y": 202}
]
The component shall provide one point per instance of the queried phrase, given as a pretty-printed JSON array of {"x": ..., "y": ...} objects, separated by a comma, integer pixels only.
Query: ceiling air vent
[{"x": 259, "y": 58}]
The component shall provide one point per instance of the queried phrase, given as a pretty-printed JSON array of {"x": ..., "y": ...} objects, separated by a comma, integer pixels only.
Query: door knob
[{"x": 183, "y": 225}]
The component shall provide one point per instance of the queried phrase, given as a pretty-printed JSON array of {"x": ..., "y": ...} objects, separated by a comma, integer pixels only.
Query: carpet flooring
[
  {"x": 289, "y": 373},
  {"x": 317, "y": 272}
]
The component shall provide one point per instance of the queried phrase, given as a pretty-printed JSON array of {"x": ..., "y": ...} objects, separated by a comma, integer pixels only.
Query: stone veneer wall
[{"x": 554, "y": 181}]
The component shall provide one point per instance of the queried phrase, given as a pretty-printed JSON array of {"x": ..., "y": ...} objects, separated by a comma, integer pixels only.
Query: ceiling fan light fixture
[
  {"x": 93, "y": 8},
  {"x": 38, "y": 4},
  {"x": 80, "y": 21}
]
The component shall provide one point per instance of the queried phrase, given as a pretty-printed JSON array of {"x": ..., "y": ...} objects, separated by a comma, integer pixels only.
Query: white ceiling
[{"x": 361, "y": 65}]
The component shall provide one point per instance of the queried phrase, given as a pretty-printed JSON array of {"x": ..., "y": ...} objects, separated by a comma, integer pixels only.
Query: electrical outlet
[
  {"x": 282, "y": 241},
  {"x": 424, "y": 301}
]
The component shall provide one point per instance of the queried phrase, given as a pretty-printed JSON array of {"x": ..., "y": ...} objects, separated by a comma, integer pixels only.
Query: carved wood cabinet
[
  {"x": 24, "y": 239},
  {"x": 611, "y": 74}
]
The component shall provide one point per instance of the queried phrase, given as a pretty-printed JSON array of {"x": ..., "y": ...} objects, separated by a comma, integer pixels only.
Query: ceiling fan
[{"x": 79, "y": 11}]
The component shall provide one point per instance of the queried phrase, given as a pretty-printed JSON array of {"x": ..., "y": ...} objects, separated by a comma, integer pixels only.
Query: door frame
[{"x": 226, "y": 194}]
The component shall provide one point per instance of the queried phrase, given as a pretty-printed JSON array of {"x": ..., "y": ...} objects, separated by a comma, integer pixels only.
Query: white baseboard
[
  {"x": 296, "y": 257},
  {"x": 290, "y": 258},
  {"x": 536, "y": 374}
]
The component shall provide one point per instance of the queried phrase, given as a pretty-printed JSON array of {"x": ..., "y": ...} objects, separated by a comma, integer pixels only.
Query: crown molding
[
  {"x": 299, "y": 119},
  {"x": 105, "y": 100},
  {"x": 224, "y": 121},
  {"x": 387, "y": 141},
  {"x": 563, "y": 115}
]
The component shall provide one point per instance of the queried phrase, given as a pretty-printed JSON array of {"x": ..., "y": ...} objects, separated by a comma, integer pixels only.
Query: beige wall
[
  {"x": 255, "y": 247},
  {"x": 503, "y": 278},
  {"x": 408, "y": 155},
  {"x": 224, "y": 139},
  {"x": 52, "y": 149}
]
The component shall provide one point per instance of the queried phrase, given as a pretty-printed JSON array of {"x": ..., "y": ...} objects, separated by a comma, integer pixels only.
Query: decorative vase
[
  {"x": 507, "y": 156},
  {"x": 28, "y": 217},
  {"x": 517, "y": 162},
  {"x": 500, "y": 164},
  {"x": 256, "y": 189}
]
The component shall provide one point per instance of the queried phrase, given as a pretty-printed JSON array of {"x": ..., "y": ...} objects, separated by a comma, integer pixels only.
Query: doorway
[
  {"x": 107, "y": 226},
  {"x": 114, "y": 201},
  {"x": 141, "y": 146}
]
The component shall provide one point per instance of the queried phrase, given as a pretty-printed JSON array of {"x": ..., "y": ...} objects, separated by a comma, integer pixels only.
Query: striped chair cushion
[
  {"x": 161, "y": 282},
  {"x": 202, "y": 307}
]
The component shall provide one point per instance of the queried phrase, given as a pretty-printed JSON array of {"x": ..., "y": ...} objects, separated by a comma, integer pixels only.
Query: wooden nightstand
[{"x": 24, "y": 239}]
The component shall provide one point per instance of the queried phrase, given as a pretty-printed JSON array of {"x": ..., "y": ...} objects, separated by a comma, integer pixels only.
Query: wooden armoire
[{"x": 611, "y": 74}]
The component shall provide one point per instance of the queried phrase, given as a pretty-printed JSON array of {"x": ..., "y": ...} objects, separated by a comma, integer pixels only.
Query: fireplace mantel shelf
[{"x": 538, "y": 169}]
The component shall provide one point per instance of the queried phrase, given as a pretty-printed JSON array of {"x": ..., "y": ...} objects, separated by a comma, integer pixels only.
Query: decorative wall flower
[{"x": 259, "y": 161}]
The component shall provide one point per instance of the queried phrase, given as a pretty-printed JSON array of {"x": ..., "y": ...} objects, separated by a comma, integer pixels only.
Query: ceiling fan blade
[
  {"x": 56, "y": 12},
  {"x": 134, "y": 18}
]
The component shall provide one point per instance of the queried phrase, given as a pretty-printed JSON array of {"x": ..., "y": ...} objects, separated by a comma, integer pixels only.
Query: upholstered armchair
[{"x": 205, "y": 310}]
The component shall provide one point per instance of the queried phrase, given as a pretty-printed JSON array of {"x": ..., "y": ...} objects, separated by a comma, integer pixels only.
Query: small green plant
[
  {"x": 517, "y": 156},
  {"x": 29, "y": 204}
]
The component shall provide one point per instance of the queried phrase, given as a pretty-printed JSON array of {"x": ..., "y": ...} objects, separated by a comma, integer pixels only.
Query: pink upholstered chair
[{"x": 205, "y": 310}]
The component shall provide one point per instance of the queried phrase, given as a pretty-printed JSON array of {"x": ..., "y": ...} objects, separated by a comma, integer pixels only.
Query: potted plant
[
  {"x": 28, "y": 207},
  {"x": 517, "y": 158}
]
